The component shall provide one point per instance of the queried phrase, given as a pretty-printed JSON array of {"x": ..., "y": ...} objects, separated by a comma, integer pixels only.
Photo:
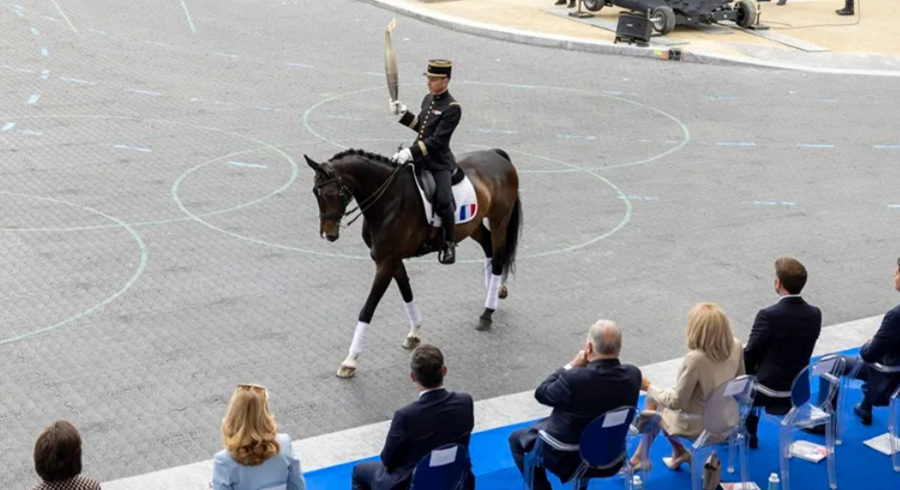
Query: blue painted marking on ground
[
  {"x": 639, "y": 198},
  {"x": 894, "y": 206},
  {"x": 735, "y": 143},
  {"x": 141, "y": 92},
  {"x": 886, "y": 147},
  {"x": 496, "y": 131},
  {"x": 19, "y": 14},
  {"x": 6, "y": 127},
  {"x": 774, "y": 203},
  {"x": 807, "y": 145},
  {"x": 33, "y": 99},
  {"x": 23, "y": 70},
  {"x": 44, "y": 52},
  {"x": 132, "y": 148},
  {"x": 301, "y": 65},
  {"x": 78, "y": 81},
  {"x": 575, "y": 137},
  {"x": 249, "y": 165},
  {"x": 45, "y": 74},
  {"x": 35, "y": 32}
]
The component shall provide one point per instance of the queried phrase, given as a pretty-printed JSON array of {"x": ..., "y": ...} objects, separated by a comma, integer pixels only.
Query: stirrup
[{"x": 449, "y": 249}]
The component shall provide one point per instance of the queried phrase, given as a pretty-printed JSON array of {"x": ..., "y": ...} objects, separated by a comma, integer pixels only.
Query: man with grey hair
[{"x": 593, "y": 383}]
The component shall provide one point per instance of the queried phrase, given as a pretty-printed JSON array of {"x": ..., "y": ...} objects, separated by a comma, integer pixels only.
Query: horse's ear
[{"x": 312, "y": 164}]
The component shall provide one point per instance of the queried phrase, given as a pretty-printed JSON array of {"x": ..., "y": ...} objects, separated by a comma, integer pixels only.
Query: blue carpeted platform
[{"x": 858, "y": 466}]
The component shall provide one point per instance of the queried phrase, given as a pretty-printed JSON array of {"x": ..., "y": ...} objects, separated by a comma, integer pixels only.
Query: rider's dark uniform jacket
[{"x": 435, "y": 123}]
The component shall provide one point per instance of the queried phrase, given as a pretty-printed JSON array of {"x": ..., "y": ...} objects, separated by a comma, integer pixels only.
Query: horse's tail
[{"x": 513, "y": 233}]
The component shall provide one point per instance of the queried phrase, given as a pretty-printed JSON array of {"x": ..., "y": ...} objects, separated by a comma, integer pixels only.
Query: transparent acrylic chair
[
  {"x": 823, "y": 379},
  {"x": 893, "y": 406},
  {"x": 604, "y": 443},
  {"x": 724, "y": 415}
]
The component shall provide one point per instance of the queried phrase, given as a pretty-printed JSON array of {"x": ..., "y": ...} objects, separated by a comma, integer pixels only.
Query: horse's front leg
[
  {"x": 412, "y": 339},
  {"x": 383, "y": 275}
]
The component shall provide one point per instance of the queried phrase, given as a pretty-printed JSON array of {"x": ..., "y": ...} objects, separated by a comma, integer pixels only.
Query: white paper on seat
[
  {"x": 736, "y": 386},
  {"x": 441, "y": 457},
  {"x": 615, "y": 419},
  {"x": 823, "y": 367}
]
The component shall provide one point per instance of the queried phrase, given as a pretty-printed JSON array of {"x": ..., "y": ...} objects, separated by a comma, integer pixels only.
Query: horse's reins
[{"x": 363, "y": 206}]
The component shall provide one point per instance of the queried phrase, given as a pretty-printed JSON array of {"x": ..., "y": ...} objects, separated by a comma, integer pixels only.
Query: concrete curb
[{"x": 572, "y": 43}]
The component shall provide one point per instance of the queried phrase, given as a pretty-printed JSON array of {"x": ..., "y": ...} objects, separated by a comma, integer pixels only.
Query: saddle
[
  {"x": 464, "y": 198},
  {"x": 426, "y": 180}
]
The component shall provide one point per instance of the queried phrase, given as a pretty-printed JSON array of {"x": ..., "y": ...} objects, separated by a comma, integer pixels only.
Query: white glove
[
  {"x": 402, "y": 156},
  {"x": 397, "y": 107}
]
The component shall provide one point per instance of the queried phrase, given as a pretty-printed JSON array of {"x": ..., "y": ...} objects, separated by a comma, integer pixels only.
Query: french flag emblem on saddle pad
[{"x": 466, "y": 212}]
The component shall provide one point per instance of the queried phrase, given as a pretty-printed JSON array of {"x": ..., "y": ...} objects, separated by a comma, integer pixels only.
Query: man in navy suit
[
  {"x": 781, "y": 341},
  {"x": 594, "y": 383},
  {"x": 439, "y": 417},
  {"x": 884, "y": 349}
]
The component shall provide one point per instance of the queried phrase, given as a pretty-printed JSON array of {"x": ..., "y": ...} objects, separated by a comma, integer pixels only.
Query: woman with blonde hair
[
  {"x": 255, "y": 455},
  {"x": 714, "y": 356}
]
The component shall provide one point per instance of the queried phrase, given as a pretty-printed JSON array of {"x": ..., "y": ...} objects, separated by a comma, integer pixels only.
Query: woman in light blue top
[{"x": 255, "y": 457}]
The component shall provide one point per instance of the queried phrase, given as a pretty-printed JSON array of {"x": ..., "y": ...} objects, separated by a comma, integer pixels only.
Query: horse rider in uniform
[{"x": 435, "y": 123}]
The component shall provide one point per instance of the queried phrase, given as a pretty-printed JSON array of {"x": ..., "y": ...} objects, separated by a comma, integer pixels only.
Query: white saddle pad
[{"x": 463, "y": 195}]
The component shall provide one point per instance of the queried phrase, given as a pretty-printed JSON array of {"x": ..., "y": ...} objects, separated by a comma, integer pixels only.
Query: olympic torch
[{"x": 390, "y": 64}]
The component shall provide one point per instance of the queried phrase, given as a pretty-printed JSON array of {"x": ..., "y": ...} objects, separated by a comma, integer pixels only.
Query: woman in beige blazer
[{"x": 714, "y": 356}]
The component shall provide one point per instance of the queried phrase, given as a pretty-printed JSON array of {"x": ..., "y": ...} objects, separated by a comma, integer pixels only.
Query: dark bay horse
[{"x": 395, "y": 226}]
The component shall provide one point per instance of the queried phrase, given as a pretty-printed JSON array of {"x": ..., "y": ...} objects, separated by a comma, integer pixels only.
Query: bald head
[{"x": 605, "y": 338}]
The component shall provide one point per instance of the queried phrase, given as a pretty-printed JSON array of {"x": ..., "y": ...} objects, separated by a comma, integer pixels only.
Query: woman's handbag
[{"x": 712, "y": 472}]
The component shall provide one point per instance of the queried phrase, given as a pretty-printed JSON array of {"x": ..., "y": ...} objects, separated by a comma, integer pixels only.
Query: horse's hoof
[
  {"x": 484, "y": 324},
  {"x": 346, "y": 372},
  {"x": 410, "y": 343},
  {"x": 503, "y": 293}
]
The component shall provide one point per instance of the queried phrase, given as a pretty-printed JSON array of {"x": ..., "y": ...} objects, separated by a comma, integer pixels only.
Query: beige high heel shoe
[{"x": 675, "y": 463}]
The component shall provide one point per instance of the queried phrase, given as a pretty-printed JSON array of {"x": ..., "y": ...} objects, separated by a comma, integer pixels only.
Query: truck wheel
[
  {"x": 593, "y": 5},
  {"x": 663, "y": 19},
  {"x": 746, "y": 13}
]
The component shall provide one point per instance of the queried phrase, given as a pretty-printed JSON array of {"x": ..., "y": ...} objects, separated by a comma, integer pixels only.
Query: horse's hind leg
[
  {"x": 483, "y": 237},
  {"x": 383, "y": 275},
  {"x": 495, "y": 282},
  {"x": 412, "y": 339}
]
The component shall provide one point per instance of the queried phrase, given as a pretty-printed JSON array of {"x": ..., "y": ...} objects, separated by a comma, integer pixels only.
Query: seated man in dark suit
[
  {"x": 781, "y": 341},
  {"x": 439, "y": 417},
  {"x": 594, "y": 383},
  {"x": 884, "y": 349}
]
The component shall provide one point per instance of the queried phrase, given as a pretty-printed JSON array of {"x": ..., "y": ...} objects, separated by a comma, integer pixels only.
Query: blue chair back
[
  {"x": 604, "y": 440},
  {"x": 444, "y": 468}
]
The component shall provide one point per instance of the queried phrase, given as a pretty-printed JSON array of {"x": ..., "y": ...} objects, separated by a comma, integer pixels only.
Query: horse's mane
[{"x": 366, "y": 154}]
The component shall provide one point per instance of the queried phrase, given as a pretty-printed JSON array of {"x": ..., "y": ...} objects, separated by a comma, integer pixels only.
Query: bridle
[{"x": 346, "y": 196}]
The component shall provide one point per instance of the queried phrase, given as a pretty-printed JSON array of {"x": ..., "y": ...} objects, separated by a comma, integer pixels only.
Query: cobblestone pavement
[{"x": 159, "y": 236}]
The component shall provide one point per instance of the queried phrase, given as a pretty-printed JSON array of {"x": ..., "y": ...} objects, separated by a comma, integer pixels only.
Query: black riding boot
[
  {"x": 448, "y": 249},
  {"x": 848, "y": 8}
]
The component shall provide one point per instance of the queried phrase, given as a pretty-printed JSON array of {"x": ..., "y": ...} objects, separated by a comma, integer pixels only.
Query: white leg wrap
[
  {"x": 487, "y": 272},
  {"x": 359, "y": 336},
  {"x": 492, "y": 292},
  {"x": 412, "y": 312}
]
